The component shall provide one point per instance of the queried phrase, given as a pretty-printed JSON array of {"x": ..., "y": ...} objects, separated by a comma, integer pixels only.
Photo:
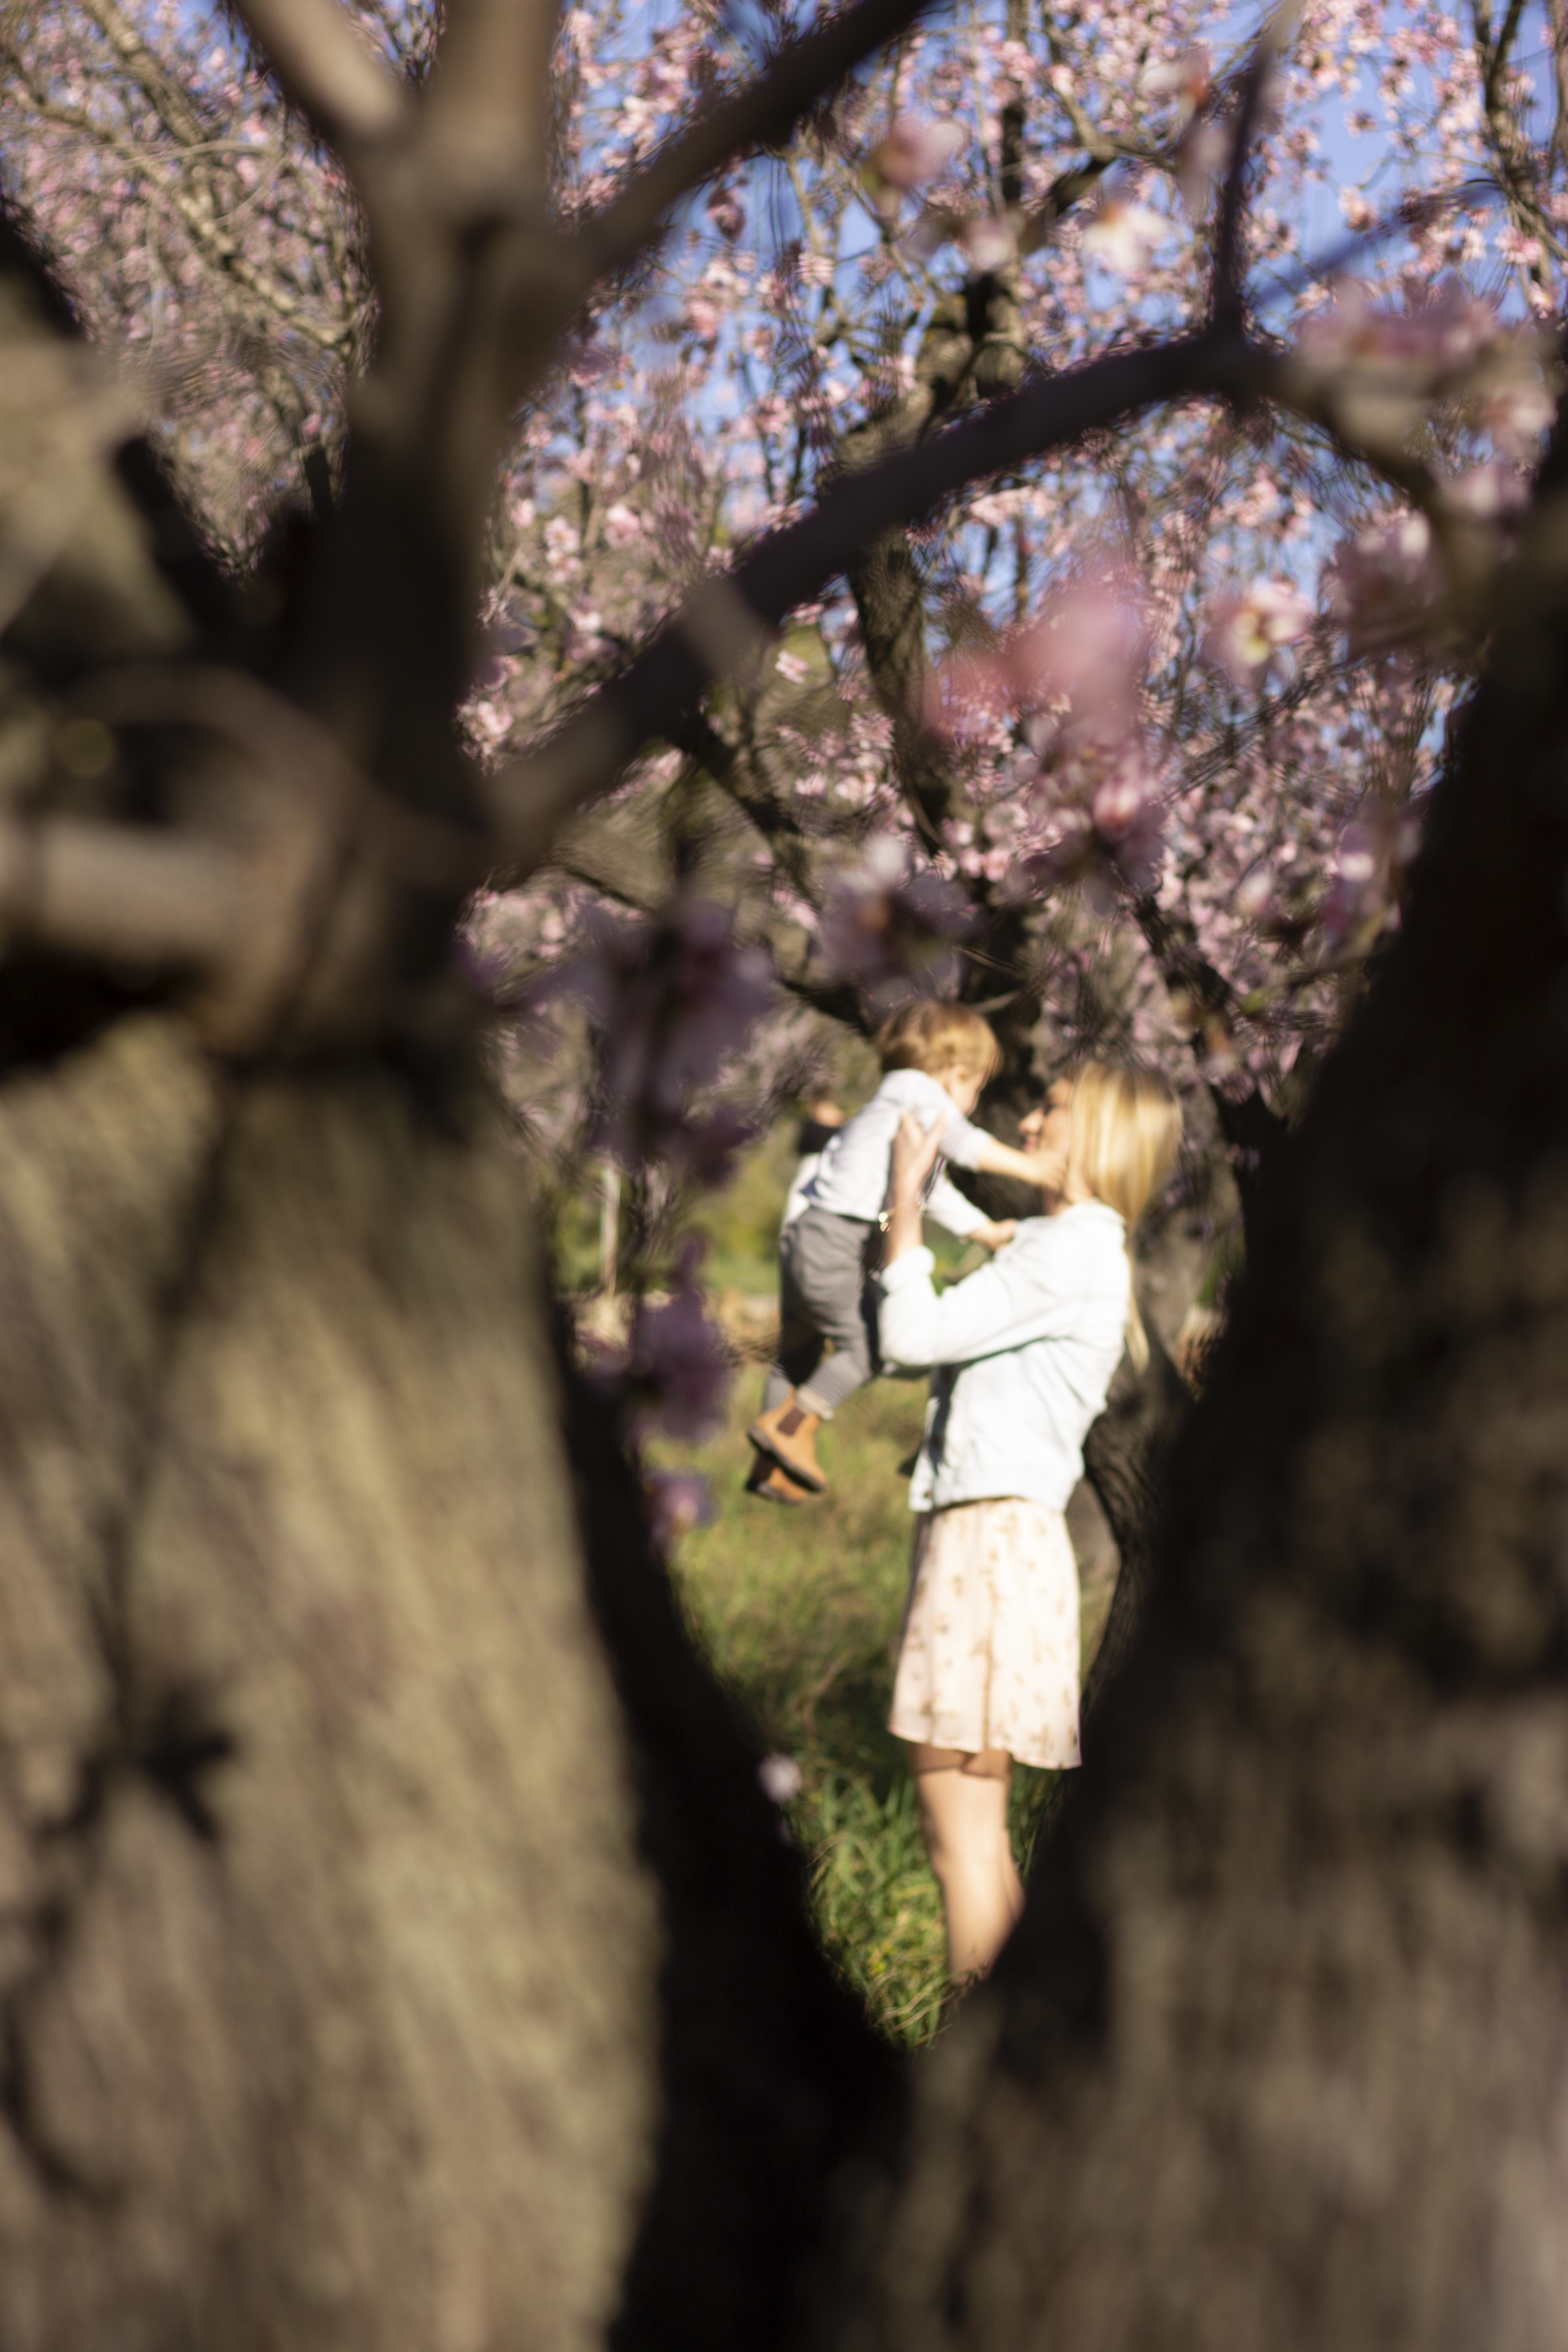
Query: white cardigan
[
  {"x": 851, "y": 1177},
  {"x": 1023, "y": 1353}
]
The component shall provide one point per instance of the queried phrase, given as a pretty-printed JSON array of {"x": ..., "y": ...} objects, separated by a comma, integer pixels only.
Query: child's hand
[
  {"x": 1047, "y": 1168},
  {"x": 994, "y": 1232}
]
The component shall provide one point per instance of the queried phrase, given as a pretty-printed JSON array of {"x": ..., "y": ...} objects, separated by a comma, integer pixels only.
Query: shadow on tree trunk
[
  {"x": 1124, "y": 1457},
  {"x": 777, "y": 2093}
]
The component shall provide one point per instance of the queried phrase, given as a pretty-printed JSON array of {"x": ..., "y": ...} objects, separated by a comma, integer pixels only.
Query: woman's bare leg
[{"x": 963, "y": 1813}]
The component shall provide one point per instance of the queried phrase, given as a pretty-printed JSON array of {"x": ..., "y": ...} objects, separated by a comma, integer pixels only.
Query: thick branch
[
  {"x": 109, "y": 891},
  {"x": 487, "y": 116},
  {"x": 324, "y": 63},
  {"x": 1229, "y": 300},
  {"x": 530, "y": 797},
  {"x": 1204, "y": 1004}
]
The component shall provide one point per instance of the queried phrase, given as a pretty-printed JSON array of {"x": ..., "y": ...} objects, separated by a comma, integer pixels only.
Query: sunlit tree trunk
[{"x": 328, "y": 1964}]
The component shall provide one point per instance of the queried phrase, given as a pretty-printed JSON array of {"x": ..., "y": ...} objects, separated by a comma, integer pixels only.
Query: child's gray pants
[{"x": 826, "y": 1265}]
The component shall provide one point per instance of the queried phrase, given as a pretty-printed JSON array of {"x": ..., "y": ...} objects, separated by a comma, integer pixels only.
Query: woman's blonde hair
[
  {"x": 1126, "y": 1131},
  {"x": 934, "y": 1035}
]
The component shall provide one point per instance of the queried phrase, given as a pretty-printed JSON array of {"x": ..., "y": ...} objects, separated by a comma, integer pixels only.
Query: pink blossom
[
  {"x": 623, "y": 524},
  {"x": 1516, "y": 246},
  {"x": 1099, "y": 796},
  {"x": 781, "y": 1778},
  {"x": 675, "y": 1369},
  {"x": 1084, "y": 654},
  {"x": 678, "y": 1501},
  {"x": 670, "y": 1002},
  {"x": 1518, "y": 411},
  {"x": 1368, "y": 864},
  {"x": 889, "y": 927},
  {"x": 1187, "y": 78},
  {"x": 1123, "y": 236},
  {"x": 1489, "y": 492},
  {"x": 1249, "y": 631},
  {"x": 1445, "y": 327},
  {"x": 703, "y": 318},
  {"x": 1385, "y": 582},
  {"x": 728, "y": 213},
  {"x": 988, "y": 241},
  {"x": 914, "y": 152},
  {"x": 1254, "y": 895}
]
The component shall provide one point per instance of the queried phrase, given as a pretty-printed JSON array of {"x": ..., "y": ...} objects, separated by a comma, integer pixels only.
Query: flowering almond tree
[{"x": 399, "y": 1946}]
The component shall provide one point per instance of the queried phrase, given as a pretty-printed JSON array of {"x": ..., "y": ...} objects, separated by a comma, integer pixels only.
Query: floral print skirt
[{"x": 990, "y": 1650}]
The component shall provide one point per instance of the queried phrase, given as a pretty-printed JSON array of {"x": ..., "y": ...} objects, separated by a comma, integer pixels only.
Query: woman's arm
[
  {"x": 915, "y": 1151},
  {"x": 1000, "y": 1306}
]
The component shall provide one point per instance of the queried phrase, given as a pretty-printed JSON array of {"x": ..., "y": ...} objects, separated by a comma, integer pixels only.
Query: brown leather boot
[
  {"x": 771, "y": 1481},
  {"x": 788, "y": 1433}
]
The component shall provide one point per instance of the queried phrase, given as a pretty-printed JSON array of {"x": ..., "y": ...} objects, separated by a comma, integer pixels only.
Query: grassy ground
[{"x": 800, "y": 1611}]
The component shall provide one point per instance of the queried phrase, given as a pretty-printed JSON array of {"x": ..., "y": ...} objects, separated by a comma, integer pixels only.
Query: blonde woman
[{"x": 1022, "y": 1355}]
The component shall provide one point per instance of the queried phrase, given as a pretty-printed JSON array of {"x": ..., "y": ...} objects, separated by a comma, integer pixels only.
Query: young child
[
  {"x": 936, "y": 1058},
  {"x": 821, "y": 1123}
]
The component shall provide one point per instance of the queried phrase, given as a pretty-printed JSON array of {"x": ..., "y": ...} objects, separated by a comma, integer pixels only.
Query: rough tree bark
[{"x": 316, "y": 1794}]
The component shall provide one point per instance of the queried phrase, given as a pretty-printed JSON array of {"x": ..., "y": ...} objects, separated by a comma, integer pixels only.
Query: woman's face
[{"x": 1049, "y": 1127}]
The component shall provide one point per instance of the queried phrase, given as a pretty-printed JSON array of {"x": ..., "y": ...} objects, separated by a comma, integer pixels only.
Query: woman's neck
[{"x": 1073, "y": 1192}]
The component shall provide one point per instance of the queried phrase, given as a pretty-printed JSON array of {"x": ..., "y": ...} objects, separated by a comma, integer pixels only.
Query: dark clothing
[{"x": 826, "y": 1267}]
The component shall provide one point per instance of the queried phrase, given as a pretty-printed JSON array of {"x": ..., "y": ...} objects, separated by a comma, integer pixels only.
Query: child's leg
[
  {"x": 800, "y": 1340},
  {"x": 828, "y": 1274},
  {"x": 963, "y": 1813}
]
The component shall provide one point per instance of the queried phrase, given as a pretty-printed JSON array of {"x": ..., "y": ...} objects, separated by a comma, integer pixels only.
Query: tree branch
[
  {"x": 530, "y": 797},
  {"x": 322, "y": 62},
  {"x": 113, "y": 892},
  {"x": 1066, "y": 191},
  {"x": 760, "y": 115},
  {"x": 1227, "y": 301},
  {"x": 486, "y": 126}
]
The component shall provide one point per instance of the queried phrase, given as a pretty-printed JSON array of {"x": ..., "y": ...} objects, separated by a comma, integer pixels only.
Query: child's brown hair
[{"x": 934, "y": 1036}]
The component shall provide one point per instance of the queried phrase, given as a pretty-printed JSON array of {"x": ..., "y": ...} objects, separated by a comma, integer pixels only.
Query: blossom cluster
[
  {"x": 1203, "y": 662},
  {"x": 670, "y": 1001}
]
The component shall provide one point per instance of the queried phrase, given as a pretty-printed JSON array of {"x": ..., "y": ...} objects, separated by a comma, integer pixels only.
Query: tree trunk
[
  {"x": 1278, "y": 2051},
  {"x": 329, "y": 1958}
]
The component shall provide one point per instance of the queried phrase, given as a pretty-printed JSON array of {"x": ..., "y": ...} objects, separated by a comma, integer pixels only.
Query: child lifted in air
[{"x": 935, "y": 1059}]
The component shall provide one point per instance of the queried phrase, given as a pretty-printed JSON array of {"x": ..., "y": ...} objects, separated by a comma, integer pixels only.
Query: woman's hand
[
  {"x": 915, "y": 1151},
  {"x": 915, "y": 1148}
]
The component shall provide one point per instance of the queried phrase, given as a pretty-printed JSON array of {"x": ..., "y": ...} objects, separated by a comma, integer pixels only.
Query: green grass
[{"x": 800, "y": 1612}]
